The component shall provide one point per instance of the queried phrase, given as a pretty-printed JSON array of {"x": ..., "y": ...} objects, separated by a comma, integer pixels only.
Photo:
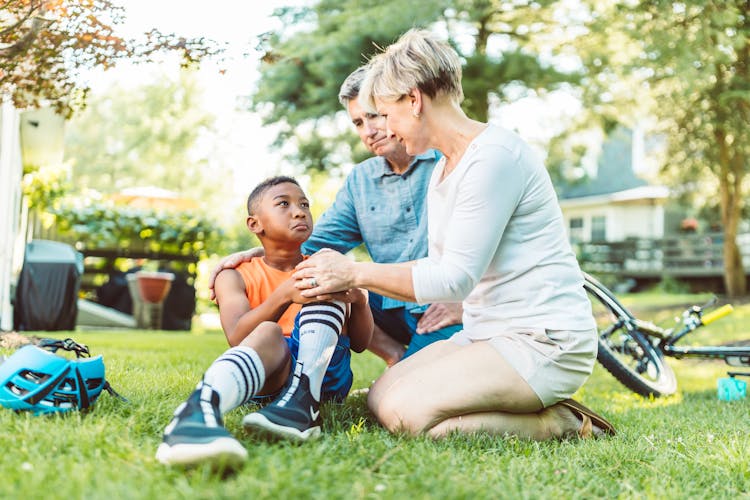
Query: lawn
[{"x": 687, "y": 445}]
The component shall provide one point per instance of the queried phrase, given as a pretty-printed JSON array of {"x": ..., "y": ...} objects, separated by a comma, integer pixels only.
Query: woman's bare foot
[{"x": 564, "y": 422}]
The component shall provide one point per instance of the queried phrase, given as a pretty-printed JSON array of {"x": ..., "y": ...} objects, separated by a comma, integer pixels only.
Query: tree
[
  {"x": 500, "y": 42},
  {"x": 44, "y": 43},
  {"x": 693, "y": 58},
  {"x": 148, "y": 135}
]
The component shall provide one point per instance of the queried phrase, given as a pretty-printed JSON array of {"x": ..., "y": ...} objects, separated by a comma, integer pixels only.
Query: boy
[{"x": 275, "y": 340}]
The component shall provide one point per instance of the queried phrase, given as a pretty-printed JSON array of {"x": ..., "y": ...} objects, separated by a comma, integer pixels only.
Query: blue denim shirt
[{"x": 384, "y": 210}]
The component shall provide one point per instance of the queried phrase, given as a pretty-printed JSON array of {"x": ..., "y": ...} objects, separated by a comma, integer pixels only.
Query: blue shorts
[
  {"x": 401, "y": 324},
  {"x": 338, "y": 377}
]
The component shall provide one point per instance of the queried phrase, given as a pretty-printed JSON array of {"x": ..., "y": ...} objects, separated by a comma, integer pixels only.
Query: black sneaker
[
  {"x": 196, "y": 434},
  {"x": 294, "y": 415}
]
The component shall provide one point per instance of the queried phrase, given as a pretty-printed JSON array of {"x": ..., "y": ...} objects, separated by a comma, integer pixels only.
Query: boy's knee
[
  {"x": 268, "y": 341},
  {"x": 267, "y": 331}
]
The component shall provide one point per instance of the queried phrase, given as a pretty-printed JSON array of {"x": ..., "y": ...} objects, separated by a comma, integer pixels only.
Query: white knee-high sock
[
  {"x": 237, "y": 375},
  {"x": 320, "y": 325}
]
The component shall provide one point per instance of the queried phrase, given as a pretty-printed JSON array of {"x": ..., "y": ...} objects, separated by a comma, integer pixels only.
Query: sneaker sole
[
  {"x": 258, "y": 421},
  {"x": 223, "y": 451}
]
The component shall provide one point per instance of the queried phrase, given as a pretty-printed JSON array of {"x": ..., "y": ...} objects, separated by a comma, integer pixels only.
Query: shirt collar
[{"x": 384, "y": 169}]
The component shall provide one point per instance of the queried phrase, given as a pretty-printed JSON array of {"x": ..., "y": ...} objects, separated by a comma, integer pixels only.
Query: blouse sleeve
[{"x": 486, "y": 198}]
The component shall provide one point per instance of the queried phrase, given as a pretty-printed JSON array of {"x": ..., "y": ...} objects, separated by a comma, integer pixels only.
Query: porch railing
[{"x": 689, "y": 255}]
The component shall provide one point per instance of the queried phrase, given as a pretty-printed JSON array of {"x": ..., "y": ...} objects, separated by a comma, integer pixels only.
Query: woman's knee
[{"x": 394, "y": 408}]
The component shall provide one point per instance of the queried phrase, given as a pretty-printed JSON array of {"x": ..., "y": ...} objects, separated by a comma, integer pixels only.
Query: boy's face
[{"x": 282, "y": 214}]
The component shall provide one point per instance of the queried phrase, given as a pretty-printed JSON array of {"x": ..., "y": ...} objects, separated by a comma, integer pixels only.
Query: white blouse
[{"x": 497, "y": 241}]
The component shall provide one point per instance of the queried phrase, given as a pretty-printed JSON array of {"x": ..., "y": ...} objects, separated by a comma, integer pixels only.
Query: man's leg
[
  {"x": 386, "y": 347},
  {"x": 421, "y": 340},
  {"x": 295, "y": 413},
  {"x": 196, "y": 432},
  {"x": 392, "y": 331}
]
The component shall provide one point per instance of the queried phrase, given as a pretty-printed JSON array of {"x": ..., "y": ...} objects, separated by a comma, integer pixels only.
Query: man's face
[
  {"x": 371, "y": 129},
  {"x": 283, "y": 214}
]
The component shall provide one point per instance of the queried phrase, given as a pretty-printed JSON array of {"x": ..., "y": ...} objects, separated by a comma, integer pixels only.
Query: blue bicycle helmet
[{"x": 39, "y": 381}]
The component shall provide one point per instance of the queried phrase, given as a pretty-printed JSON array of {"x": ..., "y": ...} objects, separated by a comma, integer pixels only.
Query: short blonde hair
[{"x": 417, "y": 60}]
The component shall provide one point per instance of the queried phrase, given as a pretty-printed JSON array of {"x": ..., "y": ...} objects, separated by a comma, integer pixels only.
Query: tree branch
[
  {"x": 32, "y": 7},
  {"x": 23, "y": 44}
]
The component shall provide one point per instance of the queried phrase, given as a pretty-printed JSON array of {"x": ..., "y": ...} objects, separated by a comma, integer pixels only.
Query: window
[
  {"x": 576, "y": 229},
  {"x": 599, "y": 228}
]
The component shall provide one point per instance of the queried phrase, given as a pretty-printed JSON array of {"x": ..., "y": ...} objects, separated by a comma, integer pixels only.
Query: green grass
[{"x": 687, "y": 445}]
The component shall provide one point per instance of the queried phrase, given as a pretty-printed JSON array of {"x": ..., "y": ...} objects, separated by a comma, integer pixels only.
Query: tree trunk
[
  {"x": 734, "y": 272},
  {"x": 730, "y": 190}
]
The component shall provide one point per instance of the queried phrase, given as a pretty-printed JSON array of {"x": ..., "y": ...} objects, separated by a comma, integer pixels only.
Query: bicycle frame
[
  {"x": 633, "y": 350},
  {"x": 692, "y": 318}
]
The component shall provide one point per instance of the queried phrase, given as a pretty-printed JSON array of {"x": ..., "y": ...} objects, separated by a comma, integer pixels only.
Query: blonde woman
[{"x": 497, "y": 242}]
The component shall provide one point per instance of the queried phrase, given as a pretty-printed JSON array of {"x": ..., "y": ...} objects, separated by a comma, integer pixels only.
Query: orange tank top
[{"x": 260, "y": 281}]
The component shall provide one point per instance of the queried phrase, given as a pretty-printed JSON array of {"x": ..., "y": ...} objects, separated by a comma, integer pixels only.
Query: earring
[{"x": 416, "y": 113}]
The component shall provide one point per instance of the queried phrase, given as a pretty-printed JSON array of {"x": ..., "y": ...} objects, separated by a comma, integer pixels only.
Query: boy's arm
[
  {"x": 237, "y": 318},
  {"x": 360, "y": 324}
]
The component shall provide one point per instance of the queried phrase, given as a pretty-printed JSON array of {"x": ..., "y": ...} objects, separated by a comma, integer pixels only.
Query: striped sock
[
  {"x": 320, "y": 325},
  {"x": 236, "y": 376}
]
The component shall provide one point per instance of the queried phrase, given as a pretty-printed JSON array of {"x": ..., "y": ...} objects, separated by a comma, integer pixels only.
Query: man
[{"x": 383, "y": 205}]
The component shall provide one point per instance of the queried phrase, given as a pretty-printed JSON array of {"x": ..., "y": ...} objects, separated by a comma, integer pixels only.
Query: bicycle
[{"x": 634, "y": 351}]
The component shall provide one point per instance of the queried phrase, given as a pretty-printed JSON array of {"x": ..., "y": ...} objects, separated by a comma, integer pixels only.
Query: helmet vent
[
  {"x": 18, "y": 391},
  {"x": 34, "y": 377},
  {"x": 68, "y": 384},
  {"x": 94, "y": 383},
  {"x": 61, "y": 397}
]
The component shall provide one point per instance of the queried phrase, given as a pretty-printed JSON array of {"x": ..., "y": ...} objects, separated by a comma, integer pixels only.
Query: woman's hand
[{"x": 325, "y": 273}]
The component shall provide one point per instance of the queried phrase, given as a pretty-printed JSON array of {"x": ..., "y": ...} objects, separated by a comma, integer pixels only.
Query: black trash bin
[{"x": 47, "y": 292}]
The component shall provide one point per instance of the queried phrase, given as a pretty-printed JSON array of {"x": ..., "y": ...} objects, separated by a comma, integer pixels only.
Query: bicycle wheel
[{"x": 627, "y": 353}]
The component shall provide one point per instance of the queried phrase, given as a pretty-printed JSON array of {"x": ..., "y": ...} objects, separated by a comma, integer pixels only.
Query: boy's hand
[
  {"x": 355, "y": 296},
  {"x": 230, "y": 262},
  {"x": 293, "y": 294},
  {"x": 352, "y": 296}
]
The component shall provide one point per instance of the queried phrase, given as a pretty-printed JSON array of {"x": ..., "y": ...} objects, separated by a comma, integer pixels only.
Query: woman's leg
[
  {"x": 447, "y": 387},
  {"x": 551, "y": 422}
]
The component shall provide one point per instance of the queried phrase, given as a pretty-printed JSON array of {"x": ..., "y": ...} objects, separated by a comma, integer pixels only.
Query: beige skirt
[{"x": 555, "y": 363}]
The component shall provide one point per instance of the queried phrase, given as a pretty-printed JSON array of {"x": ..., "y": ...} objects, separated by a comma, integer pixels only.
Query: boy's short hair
[{"x": 264, "y": 186}]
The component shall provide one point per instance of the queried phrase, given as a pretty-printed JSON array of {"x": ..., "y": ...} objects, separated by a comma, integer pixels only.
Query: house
[
  {"x": 32, "y": 137},
  {"x": 615, "y": 204},
  {"x": 11, "y": 243}
]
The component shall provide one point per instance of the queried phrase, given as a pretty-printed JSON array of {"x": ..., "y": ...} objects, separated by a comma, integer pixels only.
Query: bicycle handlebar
[{"x": 717, "y": 314}]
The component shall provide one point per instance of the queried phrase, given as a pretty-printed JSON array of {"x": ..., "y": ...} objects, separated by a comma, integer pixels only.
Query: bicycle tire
[{"x": 625, "y": 352}]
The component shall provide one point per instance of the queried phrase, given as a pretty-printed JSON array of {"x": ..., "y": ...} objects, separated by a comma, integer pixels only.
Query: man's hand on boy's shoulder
[{"x": 230, "y": 262}]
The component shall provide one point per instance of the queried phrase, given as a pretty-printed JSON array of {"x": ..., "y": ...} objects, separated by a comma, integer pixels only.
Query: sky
[{"x": 241, "y": 143}]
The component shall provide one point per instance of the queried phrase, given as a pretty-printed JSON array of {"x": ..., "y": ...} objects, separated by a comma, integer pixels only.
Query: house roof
[
  {"x": 614, "y": 170},
  {"x": 653, "y": 193}
]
